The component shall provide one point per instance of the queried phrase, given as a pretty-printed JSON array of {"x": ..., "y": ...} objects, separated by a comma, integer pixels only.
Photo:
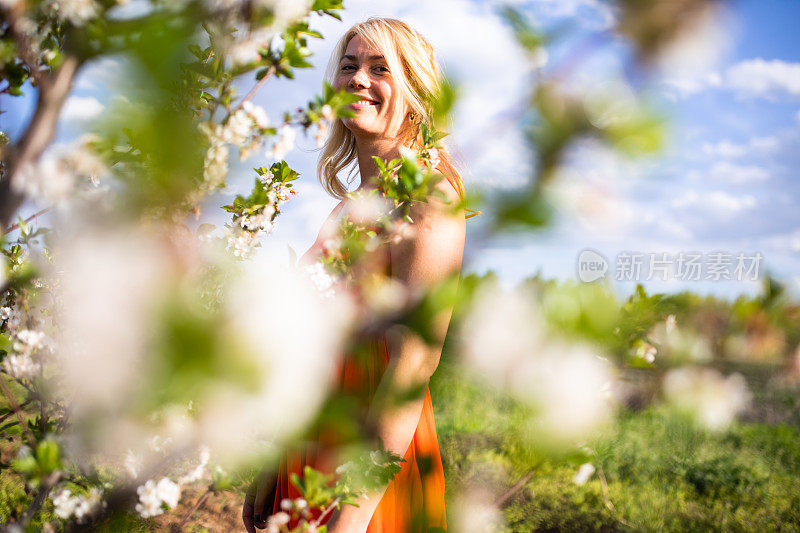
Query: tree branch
[
  {"x": 326, "y": 512},
  {"x": 53, "y": 90},
  {"x": 513, "y": 490},
  {"x": 48, "y": 484},
  {"x": 270, "y": 71},
  {"x": 17, "y": 411},
  {"x": 14, "y": 226},
  {"x": 193, "y": 510}
]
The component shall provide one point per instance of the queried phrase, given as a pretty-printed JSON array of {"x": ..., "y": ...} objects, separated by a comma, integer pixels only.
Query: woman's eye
[
  {"x": 348, "y": 67},
  {"x": 381, "y": 68}
]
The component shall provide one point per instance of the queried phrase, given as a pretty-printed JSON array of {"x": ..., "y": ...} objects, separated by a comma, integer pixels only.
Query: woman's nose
[{"x": 359, "y": 79}]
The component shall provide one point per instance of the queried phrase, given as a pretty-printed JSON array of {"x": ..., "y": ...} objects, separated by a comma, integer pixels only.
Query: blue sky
[{"x": 726, "y": 180}]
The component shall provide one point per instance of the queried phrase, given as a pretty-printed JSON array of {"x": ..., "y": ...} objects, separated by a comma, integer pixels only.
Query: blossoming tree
[{"x": 143, "y": 351}]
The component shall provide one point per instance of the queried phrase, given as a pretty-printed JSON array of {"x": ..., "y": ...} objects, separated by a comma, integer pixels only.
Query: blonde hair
[{"x": 412, "y": 62}]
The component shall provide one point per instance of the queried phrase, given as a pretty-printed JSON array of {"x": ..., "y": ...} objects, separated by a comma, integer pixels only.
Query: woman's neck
[{"x": 367, "y": 149}]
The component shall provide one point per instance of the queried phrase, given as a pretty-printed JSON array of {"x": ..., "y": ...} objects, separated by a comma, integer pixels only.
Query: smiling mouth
[{"x": 361, "y": 104}]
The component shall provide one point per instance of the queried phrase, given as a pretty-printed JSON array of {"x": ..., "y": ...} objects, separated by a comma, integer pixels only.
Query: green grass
[{"x": 662, "y": 472}]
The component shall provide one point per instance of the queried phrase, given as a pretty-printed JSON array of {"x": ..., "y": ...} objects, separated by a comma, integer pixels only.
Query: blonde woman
[{"x": 395, "y": 72}]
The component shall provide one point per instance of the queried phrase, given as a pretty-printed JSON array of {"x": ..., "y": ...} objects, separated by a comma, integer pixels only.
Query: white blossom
[
  {"x": 246, "y": 49},
  {"x": 123, "y": 267},
  {"x": 21, "y": 366},
  {"x": 287, "y": 11},
  {"x": 153, "y": 496},
  {"x": 12, "y": 317},
  {"x": 64, "y": 504},
  {"x": 29, "y": 341},
  {"x": 277, "y": 45},
  {"x": 433, "y": 157},
  {"x": 473, "y": 512},
  {"x": 678, "y": 342},
  {"x": 59, "y": 172},
  {"x": 293, "y": 369},
  {"x": 714, "y": 399},
  {"x": 321, "y": 132},
  {"x": 323, "y": 281},
  {"x": 89, "y": 505},
  {"x": 77, "y": 12},
  {"x": 237, "y": 129},
  {"x": 669, "y": 324},
  {"x": 198, "y": 471},
  {"x": 280, "y": 518},
  {"x": 365, "y": 208},
  {"x": 386, "y": 296},
  {"x": 281, "y": 143},
  {"x": 82, "y": 507},
  {"x": 83, "y": 162},
  {"x": 266, "y": 178},
  {"x": 241, "y": 242},
  {"x": 244, "y": 52},
  {"x": 132, "y": 464},
  {"x": 260, "y": 222},
  {"x": 327, "y": 112},
  {"x": 46, "y": 180},
  {"x": 505, "y": 341},
  {"x": 539, "y": 57},
  {"x": 159, "y": 444},
  {"x": 256, "y": 114},
  {"x": 215, "y": 165},
  {"x": 584, "y": 473}
]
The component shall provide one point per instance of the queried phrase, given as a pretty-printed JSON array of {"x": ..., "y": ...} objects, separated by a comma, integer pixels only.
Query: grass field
[{"x": 660, "y": 471}]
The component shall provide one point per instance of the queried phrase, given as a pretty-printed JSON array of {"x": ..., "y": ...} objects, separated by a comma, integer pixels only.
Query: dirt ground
[{"x": 218, "y": 513}]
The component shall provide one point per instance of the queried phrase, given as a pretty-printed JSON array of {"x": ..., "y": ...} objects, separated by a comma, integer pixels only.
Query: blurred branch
[
  {"x": 326, "y": 512},
  {"x": 53, "y": 90},
  {"x": 12, "y": 412},
  {"x": 15, "y": 226},
  {"x": 195, "y": 507},
  {"x": 17, "y": 411},
  {"x": 513, "y": 490},
  {"x": 48, "y": 484},
  {"x": 607, "y": 500},
  {"x": 270, "y": 71}
]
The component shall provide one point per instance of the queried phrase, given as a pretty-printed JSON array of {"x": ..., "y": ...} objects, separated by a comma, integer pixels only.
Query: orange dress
[{"x": 414, "y": 500}]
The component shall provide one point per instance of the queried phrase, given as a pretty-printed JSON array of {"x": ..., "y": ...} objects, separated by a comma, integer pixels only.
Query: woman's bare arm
[
  {"x": 428, "y": 257},
  {"x": 326, "y": 231}
]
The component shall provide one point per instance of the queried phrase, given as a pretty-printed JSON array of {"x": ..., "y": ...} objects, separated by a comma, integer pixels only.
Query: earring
[{"x": 412, "y": 116}]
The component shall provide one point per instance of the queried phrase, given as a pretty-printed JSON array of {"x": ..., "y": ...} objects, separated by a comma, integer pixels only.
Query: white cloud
[
  {"x": 720, "y": 203},
  {"x": 100, "y": 74},
  {"x": 730, "y": 173},
  {"x": 729, "y": 149},
  {"x": 757, "y": 77},
  {"x": 589, "y": 13},
  {"x": 81, "y": 109},
  {"x": 673, "y": 228},
  {"x": 724, "y": 148},
  {"x": 753, "y": 78}
]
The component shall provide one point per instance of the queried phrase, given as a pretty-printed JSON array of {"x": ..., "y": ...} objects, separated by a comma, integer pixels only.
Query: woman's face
[{"x": 364, "y": 71}]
